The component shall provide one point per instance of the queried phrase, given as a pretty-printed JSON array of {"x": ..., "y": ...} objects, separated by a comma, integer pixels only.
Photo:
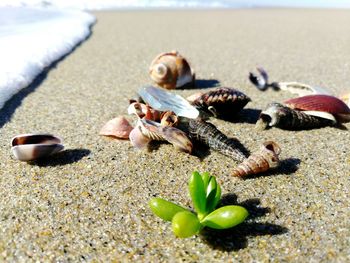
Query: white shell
[
  {"x": 321, "y": 114},
  {"x": 163, "y": 100},
  {"x": 29, "y": 147},
  {"x": 302, "y": 89}
]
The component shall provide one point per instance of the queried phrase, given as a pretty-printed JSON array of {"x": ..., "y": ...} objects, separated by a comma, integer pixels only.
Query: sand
[{"x": 90, "y": 201}]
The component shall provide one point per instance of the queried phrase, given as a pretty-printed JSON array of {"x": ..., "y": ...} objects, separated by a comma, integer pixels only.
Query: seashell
[
  {"x": 302, "y": 89},
  {"x": 323, "y": 103},
  {"x": 118, "y": 127},
  {"x": 171, "y": 70},
  {"x": 137, "y": 139},
  {"x": 169, "y": 118},
  {"x": 29, "y": 147},
  {"x": 207, "y": 133},
  {"x": 163, "y": 100},
  {"x": 261, "y": 82},
  {"x": 143, "y": 111},
  {"x": 260, "y": 161},
  {"x": 223, "y": 102},
  {"x": 281, "y": 116},
  {"x": 154, "y": 131}
]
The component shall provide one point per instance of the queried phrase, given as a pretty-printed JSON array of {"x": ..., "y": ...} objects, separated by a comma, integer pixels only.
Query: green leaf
[
  {"x": 164, "y": 209},
  {"x": 225, "y": 217},
  {"x": 197, "y": 192},
  {"x": 205, "y": 177},
  {"x": 185, "y": 224},
  {"x": 214, "y": 195}
]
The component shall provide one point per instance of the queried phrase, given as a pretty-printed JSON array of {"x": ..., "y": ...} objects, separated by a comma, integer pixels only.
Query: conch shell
[
  {"x": 29, "y": 147},
  {"x": 171, "y": 70},
  {"x": 261, "y": 161},
  {"x": 118, "y": 127}
]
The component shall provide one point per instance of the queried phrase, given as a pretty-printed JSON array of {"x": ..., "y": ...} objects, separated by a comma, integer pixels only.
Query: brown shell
[
  {"x": 171, "y": 70},
  {"x": 325, "y": 103},
  {"x": 220, "y": 102},
  {"x": 261, "y": 161},
  {"x": 118, "y": 127},
  {"x": 169, "y": 118}
]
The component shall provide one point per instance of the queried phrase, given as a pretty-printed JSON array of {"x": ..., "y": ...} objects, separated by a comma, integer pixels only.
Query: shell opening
[
  {"x": 35, "y": 139},
  {"x": 160, "y": 70},
  {"x": 272, "y": 146}
]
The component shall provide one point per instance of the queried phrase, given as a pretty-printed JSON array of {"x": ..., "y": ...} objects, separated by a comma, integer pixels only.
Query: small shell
[
  {"x": 220, "y": 102},
  {"x": 169, "y": 118},
  {"x": 154, "y": 131},
  {"x": 163, "y": 100},
  {"x": 29, "y": 147},
  {"x": 323, "y": 103},
  {"x": 118, "y": 127},
  {"x": 171, "y": 70},
  {"x": 137, "y": 139},
  {"x": 261, "y": 161},
  {"x": 208, "y": 134},
  {"x": 302, "y": 89},
  {"x": 281, "y": 116},
  {"x": 143, "y": 111},
  {"x": 261, "y": 82}
]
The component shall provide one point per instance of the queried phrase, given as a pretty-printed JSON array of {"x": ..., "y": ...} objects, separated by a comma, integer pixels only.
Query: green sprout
[{"x": 206, "y": 194}]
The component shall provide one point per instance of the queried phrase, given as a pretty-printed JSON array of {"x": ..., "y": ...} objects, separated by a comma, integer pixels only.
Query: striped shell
[
  {"x": 29, "y": 147},
  {"x": 171, "y": 70},
  {"x": 220, "y": 102},
  {"x": 260, "y": 161},
  {"x": 323, "y": 103}
]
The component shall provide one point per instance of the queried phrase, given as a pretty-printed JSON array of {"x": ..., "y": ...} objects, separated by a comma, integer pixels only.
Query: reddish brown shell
[
  {"x": 118, "y": 127},
  {"x": 323, "y": 103}
]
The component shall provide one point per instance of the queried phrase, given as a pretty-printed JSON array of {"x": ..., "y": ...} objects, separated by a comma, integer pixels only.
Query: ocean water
[{"x": 31, "y": 39}]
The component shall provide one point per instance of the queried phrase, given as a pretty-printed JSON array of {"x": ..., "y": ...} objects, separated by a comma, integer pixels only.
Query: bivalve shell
[
  {"x": 118, "y": 127},
  {"x": 324, "y": 103},
  {"x": 29, "y": 147}
]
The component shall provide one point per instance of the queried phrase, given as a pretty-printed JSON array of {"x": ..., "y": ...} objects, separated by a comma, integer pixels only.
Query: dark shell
[
  {"x": 324, "y": 103},
  {"x": 208, "y": 134},
  {"x": 223, "y": 102},
  {"x": 283, "y": 117}
]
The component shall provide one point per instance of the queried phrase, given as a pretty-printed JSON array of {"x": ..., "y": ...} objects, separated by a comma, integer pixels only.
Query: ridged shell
[
  {"x": 208, "y": 134},
  {"x": 260, "y": 161},
  {"x": 281, "y": 116},
  {"x": 220, "y": 102},
  {"x": 29, "y": 147},
  {"x": 171, "y": 70},
  {"x": 324, "y": 103},
  {"x": 118, "y": 127}
]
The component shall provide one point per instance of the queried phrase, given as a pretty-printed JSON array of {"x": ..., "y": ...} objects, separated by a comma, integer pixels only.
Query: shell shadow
[
  {"x": 7, "y": 111},
  {"x": 62, "y": 158},
  {"x": 205, "y": 84},
  {"x": 236, "y": 238},
  {"x": 248, "y": 115},
  {"x": 287, "y": 166}
]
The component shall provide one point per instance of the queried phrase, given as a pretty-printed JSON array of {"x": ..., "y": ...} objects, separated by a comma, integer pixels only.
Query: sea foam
[{"x": 33, "y": 38}]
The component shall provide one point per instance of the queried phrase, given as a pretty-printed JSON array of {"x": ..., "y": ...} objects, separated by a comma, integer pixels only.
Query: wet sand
[{"x": 90, "y": 201}]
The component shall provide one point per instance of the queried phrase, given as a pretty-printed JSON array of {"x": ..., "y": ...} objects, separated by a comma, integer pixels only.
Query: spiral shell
[
  {"x": 278, "y": 115},
  {"x": 171, "y": 70},
  {"x": 208, "y": 134},
  {"x": 169, "y": 118},
  {"x": 221, "y": 102},
  {"x": 260, "y": 161}
]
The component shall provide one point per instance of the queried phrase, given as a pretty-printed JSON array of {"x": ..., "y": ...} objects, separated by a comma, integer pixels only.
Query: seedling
[{"x": 205, "y": 193}]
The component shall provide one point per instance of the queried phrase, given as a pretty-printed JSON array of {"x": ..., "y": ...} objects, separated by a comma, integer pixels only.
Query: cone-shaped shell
[
  {"x": 118, "y": 127},
  {"x": 29, "y": 147},
  {"x": 323, "y": 103},
  {"x": 171, "y": 70},
  {"x": 261, "y": 161}
]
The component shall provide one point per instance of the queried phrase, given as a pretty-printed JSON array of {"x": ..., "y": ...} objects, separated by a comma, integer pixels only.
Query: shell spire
[
  {"x": 260, "y": 161},
  {"x": 207, "y": 133}
]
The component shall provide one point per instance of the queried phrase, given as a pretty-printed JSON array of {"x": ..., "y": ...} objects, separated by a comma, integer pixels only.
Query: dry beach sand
[{"x": 90, "y": 201}]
